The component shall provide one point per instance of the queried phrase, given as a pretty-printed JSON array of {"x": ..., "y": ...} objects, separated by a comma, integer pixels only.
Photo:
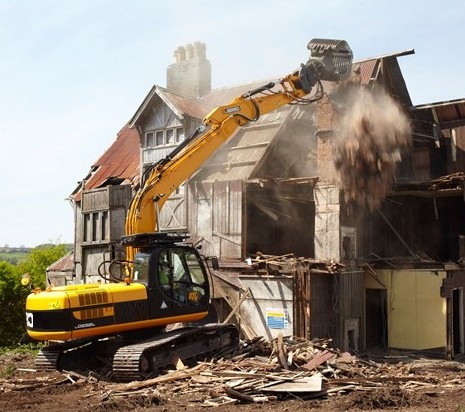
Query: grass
[
  {"x": 13, "y": 258},
  {"x": 20, "y": 349}
]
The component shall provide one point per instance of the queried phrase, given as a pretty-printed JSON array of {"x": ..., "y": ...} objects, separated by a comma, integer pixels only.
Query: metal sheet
[{"x": 269, "y": 309}]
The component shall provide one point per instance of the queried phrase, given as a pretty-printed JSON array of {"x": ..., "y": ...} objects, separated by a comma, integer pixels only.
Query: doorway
[
  {"x": 375, "y": 318},
  {"x": 457, "y": 321}
]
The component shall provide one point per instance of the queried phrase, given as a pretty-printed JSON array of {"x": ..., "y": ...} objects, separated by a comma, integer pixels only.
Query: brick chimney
[{"x": 190, "y": 74}]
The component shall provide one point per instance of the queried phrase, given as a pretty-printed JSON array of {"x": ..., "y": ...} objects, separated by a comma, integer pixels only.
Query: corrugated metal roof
[
  {"x": 121, "y": 160},
  {"x": 65, "y": 264},
  {"x": 385, "y": 70}
]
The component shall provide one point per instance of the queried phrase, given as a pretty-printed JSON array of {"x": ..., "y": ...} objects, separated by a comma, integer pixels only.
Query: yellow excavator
[{"x": 165, "y": 280}]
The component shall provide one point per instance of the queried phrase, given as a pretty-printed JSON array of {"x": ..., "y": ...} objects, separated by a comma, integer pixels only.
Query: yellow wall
[{"x": 416, "y": 313}]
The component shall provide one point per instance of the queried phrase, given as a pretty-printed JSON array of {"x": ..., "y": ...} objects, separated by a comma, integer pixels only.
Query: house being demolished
[{"x": 298, "y": 256}]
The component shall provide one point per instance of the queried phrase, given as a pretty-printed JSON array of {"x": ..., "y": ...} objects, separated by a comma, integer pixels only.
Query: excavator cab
[{"x": 175, "y": 277}]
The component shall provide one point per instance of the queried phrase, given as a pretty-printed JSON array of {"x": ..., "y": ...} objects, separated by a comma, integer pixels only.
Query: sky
[{"x": 72, "y": 73}]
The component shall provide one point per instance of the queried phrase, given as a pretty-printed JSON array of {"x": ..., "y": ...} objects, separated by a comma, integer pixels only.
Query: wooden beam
[{"x": 238, "y": 304}]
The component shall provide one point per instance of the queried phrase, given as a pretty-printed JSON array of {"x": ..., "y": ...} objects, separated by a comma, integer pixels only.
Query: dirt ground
[{"x": 439, "y": 386}]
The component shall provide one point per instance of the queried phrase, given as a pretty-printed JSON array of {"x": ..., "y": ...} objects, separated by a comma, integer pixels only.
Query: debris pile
[
  {"x": 286, "y": 368},
  {"x": 372, "y": 135}
]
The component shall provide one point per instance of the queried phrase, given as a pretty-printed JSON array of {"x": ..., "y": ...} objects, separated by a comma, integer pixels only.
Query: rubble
[{"x": 264, "y": 372}]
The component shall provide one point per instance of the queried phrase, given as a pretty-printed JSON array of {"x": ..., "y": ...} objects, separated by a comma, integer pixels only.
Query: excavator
[{"x": 163, "y": 279}]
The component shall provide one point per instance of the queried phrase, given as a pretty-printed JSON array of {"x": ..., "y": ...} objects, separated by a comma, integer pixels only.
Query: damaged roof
[
  {"x": 119, "y": 164},
  {"x": 385, "y": 70},
  {"x": 239, "y": 158},
  {"x": 446, "y": 114}
]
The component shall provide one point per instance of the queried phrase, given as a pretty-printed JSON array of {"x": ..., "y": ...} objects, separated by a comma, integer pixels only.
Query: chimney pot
[{"x": 189, "y": 51}]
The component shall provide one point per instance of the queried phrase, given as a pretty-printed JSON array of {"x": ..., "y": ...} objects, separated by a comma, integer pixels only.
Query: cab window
[
  {"x": 141, "y": 267},
  {"x": 181, "y": 276}
]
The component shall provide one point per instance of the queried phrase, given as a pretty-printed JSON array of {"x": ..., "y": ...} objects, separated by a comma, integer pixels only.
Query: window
[
  {"x": 179, "y": 134},
  {"x": 104, "y": 226},
  {"x": 95, "y": 221},
  {"x": 169, "y": 136},
  {"x": 181, "y": 276},
  {"x": 149, "y": 139},
  {"x": 159, "y": 138},
  {"x": 87, "y": 228},
  {"x": 96, "y": 226},
  {"x": 141, "y": 267}
]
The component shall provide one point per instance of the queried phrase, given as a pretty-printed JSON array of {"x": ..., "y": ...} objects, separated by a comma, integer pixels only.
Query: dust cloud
[{"x": 372, "y": 134}]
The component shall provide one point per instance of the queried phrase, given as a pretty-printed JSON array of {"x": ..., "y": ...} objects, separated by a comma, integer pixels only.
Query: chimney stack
[{"x": 190, "y": 74}]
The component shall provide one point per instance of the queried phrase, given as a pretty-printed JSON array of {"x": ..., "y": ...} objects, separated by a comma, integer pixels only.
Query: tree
[
  {"x": 12, "y": 298},
  {"x": 40, "y": 258},
  {"x": 13, "y": 294}
]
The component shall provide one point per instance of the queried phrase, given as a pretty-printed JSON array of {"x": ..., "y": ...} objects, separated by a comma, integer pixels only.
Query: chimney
[{"x": 190, "y": 74}]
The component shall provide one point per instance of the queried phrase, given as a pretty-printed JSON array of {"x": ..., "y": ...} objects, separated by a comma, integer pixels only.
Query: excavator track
[
  {"x": 136, "y": 361},
  {"x": 144, "y": 359},
  {"x": 48, "y": 358}
]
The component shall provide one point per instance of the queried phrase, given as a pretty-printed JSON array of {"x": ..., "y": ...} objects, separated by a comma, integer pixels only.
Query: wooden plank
[
  {"x": 318, "y": 359},
  {"x": 305, "y": 384},
  {"x": 244, "y": 296}
]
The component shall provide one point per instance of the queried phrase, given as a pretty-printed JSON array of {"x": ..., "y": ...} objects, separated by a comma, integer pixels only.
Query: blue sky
[{"x": 73, "y": 72}]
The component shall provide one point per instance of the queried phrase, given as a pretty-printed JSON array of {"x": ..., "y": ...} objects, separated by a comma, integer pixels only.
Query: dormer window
[{"x": 165, "y": 137}]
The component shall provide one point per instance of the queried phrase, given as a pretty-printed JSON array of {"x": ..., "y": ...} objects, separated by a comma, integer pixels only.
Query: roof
[
  {"x": 371, "y": 69},
  {"x": 180, "y": 105},
  {"x": 446, "y": 114},
  {"x": 238, "y": 159},
  {"x": 118, "y": 165},
  {"x": 121, "y": 162},
  {"x": 65, "y": 264},
  {"x": 385, "y": 70}
]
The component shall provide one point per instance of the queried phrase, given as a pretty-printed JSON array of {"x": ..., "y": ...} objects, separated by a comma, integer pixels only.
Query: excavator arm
[{"x": 330, "y": 60}]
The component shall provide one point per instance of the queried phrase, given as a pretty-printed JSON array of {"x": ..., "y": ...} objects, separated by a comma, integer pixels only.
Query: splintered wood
[
  {"x": 262, "y": 371},
  {"x": 372, "y": 135},
  {"x": 289, "y": 263}
]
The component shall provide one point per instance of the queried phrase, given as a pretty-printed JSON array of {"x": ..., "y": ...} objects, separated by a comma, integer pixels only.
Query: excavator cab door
[{"x": 177, "y": 282}]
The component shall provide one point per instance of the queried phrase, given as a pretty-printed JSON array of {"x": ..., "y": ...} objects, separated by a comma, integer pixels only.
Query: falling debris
[{"x": 372, "y": 135}]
